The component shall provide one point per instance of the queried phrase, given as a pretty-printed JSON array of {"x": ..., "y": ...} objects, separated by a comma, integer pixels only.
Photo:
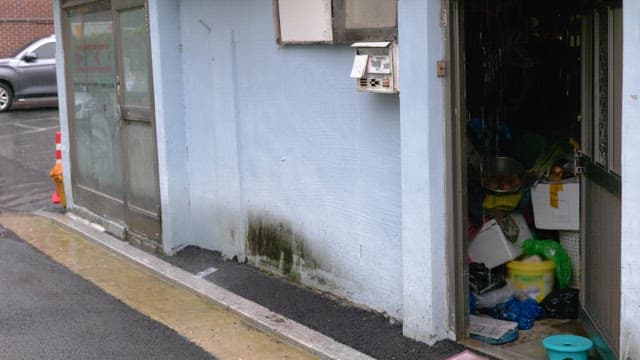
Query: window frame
[{"x": 341, "y": 35}]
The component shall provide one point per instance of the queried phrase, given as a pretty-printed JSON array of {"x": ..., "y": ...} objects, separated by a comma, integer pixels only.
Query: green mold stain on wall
[{"x": 272, "y": 240}]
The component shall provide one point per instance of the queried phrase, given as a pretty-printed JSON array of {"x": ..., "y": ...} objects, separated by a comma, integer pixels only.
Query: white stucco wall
[
  {"x": 280, "y": 144},
  {"x": 423, "y": 171},
  {"x": 630, "y": 281},
  {"x": 173, "y": 177}
]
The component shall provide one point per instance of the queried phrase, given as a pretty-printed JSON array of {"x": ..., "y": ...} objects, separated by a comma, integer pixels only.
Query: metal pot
[{"x": 502, "y": 175}]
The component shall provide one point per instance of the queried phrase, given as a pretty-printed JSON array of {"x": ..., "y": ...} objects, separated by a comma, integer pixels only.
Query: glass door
[
  {"x": 113, "y": 146},
  {"x": 136, "y": 117},
  {"x": 94, "y": 125}
]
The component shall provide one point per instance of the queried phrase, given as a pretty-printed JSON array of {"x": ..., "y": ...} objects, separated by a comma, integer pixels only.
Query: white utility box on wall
[{"x": 375, "y": 67}]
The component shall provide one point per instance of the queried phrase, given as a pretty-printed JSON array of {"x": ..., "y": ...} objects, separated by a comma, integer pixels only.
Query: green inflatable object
[{"x": 551, "y": 250}]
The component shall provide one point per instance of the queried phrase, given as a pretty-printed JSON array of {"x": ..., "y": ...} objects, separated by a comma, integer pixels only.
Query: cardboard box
[
  {"x": 556, "y": 206},
  {"x": 493, "y": 248}
]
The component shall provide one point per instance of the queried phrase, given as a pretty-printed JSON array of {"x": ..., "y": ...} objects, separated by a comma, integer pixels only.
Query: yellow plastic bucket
[{"x": 533, "y": 278}]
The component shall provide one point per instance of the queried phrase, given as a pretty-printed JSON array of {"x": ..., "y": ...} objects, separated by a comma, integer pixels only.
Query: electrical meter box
[{"x": 375, "y": 67}]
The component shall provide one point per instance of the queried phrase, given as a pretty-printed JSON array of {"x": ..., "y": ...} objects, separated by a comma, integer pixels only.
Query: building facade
[
  {"x": 22, "y": 22},
  {"x": 233, "y": 132}
]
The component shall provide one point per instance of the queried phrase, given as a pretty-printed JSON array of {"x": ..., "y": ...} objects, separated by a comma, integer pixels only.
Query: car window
[
  {"x": 46, "y": 51},
  {"x": 26, "y": 47}
]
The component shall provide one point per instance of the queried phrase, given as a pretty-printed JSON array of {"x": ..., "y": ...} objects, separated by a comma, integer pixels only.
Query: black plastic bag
[
  {"x": 482, "y": 279},
  {"x": 562, "y": 304}
]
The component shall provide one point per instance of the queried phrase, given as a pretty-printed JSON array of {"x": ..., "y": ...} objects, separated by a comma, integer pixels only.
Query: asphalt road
[{"x": 46, "y": 311}]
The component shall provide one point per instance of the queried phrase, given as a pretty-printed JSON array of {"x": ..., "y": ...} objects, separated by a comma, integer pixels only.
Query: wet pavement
[
  {"x": 27, "y": 153},
  {"x": 133, "y": 314}
]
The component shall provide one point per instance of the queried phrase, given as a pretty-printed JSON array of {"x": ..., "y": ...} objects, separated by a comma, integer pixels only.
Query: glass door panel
[
  {"x": 136, "y": 111},
  {"x": 141, "y": 151},
  {"x": 135, "y": 60},
  {"x": 111, "y": 109},
  {"x": 96, "y": 156}
]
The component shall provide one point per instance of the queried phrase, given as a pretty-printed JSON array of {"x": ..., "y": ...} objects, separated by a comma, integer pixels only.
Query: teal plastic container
[{"x": 563, "y": 347}]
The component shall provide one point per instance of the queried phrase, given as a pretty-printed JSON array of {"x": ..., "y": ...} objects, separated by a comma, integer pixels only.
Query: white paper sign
[{"x": 359, "y": 66}]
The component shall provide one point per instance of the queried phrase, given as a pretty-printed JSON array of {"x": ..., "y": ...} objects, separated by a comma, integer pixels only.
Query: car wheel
[{"x": 6, "y": 97}]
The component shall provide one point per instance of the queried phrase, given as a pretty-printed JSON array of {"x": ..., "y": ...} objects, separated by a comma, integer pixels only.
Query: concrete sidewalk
[{"x": 251, "y": 294}]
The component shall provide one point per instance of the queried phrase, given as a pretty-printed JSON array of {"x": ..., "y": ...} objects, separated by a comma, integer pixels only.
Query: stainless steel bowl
[{"x": 503, "y": 175}]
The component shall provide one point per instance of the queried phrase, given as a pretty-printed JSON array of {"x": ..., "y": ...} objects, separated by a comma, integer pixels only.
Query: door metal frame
[
  {"x": 111, "y": 208},
  {"x": 456, "y": 172},
  {"x": 146, "y": 221},
  {"x": 603, "y": 174}
]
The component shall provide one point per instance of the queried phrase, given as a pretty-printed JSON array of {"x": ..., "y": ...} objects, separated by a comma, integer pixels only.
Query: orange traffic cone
[
  {"x": 56, "y": 174},
  {"x": 55, "y": 198}
]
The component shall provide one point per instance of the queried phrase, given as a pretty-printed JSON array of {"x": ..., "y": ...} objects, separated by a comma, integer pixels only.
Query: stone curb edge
[{"x": 263, "y": 318}]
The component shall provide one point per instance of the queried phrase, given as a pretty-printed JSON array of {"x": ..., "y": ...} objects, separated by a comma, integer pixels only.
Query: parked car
[{"x": 30, "y": 73}]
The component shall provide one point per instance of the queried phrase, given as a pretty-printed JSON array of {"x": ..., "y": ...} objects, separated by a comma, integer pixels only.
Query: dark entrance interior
[
  {"x": 527, "y": 90},
  {"x": 523, "y": 75}
]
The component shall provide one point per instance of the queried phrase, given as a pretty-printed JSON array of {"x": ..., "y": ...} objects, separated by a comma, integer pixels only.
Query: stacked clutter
[{"x": 513, "y": 277}]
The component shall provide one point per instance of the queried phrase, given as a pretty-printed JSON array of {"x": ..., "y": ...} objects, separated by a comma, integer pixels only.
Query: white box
[
  {"x": 563, "y": 214},
  {"x": 493, "y": 248}
]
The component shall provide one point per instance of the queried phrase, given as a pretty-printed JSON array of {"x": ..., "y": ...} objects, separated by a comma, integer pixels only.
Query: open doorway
[{"x": 536, "y": 101}]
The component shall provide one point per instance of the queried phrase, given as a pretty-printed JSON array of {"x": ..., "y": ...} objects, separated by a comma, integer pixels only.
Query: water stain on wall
[{"x": 274, "y": 243}]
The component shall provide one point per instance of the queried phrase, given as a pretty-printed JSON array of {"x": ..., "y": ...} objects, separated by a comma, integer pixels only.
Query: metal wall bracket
[{"x": 579, "y": 163}]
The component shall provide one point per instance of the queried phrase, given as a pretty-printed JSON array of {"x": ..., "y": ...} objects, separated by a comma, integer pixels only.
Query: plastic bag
[
  {"x": 523, "y": 312},
  {"x": 494, "y": 297},
  {"x": 551, "y": 250},
  {"x": 482, "y": 279},
  {"x": 562, "y": 304}
]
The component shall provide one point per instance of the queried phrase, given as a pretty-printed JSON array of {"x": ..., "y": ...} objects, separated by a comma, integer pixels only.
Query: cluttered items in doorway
[
  {"x": 529, "y": 291},
  {"x": 513, "y": 275},
  {"x": 523, "y": 103}
]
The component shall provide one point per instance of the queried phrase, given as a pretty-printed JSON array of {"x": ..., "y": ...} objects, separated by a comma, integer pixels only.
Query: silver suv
[{"x": 29, "y": 73}]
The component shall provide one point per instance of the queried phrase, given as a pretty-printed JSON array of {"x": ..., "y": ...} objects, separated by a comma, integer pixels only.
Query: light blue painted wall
[
  {"x": 281, "y": 134},
  {"x": 423, "y": 170},
  {"x": 630, "y": 261},
  {"x": 173, "y": 177}
]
